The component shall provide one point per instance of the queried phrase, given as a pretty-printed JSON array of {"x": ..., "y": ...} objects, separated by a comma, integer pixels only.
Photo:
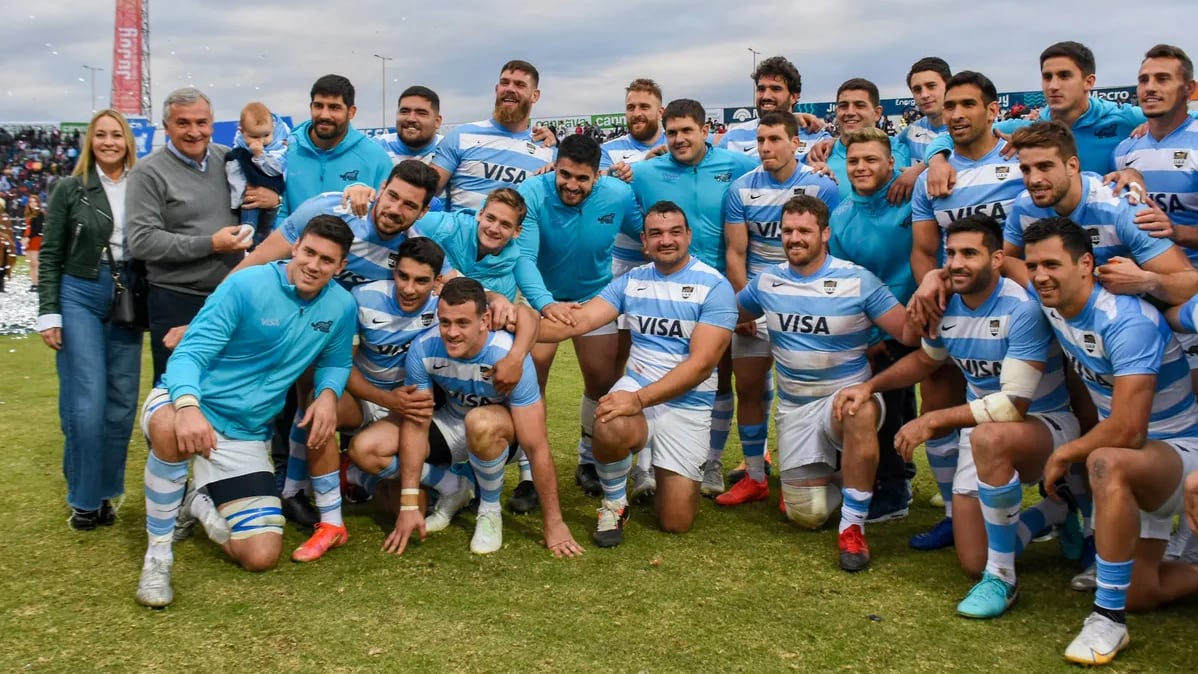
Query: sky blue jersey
[
  {"x": 386, "y": 331},
  {"x": 1170, "y": 169},
  {"x": 467, "y": 382},
  {"x": 755, "y": 201},
  {"x": 482, "y": 157}
]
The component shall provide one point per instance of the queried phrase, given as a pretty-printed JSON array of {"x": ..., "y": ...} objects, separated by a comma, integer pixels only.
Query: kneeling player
[
  {"x": 1017, "y": 411},
  {"x": 477, "y": 424},
  {"x": 820, "y": 312},
  {"x": 681, "y": 315},
  {"x": 1144, "y": 444},
  {"x": 224, "y": 383}
]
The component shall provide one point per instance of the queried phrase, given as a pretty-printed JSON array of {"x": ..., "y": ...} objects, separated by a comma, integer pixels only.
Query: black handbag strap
[{"x": 112, "y": 268}]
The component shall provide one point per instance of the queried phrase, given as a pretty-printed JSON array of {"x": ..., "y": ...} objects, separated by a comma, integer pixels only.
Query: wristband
[
  {"x": 410, "y": 492},
  {"x": 186, "y": 400},
  {"x": 406, "y": 508}
]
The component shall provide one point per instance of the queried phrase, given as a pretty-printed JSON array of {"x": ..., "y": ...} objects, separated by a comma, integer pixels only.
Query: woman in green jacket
[{"x": 99, "y": 364}]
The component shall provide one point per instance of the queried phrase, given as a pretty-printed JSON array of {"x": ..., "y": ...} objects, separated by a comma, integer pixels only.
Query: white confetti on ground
[{"x": 18, "y": 306}]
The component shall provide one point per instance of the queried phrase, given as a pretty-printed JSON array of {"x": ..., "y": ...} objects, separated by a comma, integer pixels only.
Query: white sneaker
[
  {"x": 488, "y": 533},
  {"x": 1099, "y": 641},
  {"x": 1086, "y": 581},
  {"x": 713, "y": 478},
  {"x": 154, "y": 586},
  {"x": 642, "y": 483},
  {"x": 447, "y": 506}
]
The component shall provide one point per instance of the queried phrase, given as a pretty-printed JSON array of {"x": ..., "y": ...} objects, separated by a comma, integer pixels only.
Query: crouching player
[
  {"x": 1144, "y": 444},
  {"x": 477, "y": 423},
  {"x": 1017, "y": 410},
  {"x": 820, "y": 312},
  {"x": 224, "y": 383},
  {"x": 681, "y": 313}
]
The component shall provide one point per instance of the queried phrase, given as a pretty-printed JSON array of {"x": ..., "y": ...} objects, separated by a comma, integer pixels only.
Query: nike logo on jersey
[
  {"x": 1131, "y": 160},
  {"x": 440, "y": 367},
  {"x": 378, "y": 321},
  {"x": 775, "y": 284},
  {"x": 754, "y": 196},
  {"x": 946, "y": 328}
]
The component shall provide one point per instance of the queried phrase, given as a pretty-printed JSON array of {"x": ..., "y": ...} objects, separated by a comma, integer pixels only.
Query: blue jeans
[{"x": 99, "y": 371}]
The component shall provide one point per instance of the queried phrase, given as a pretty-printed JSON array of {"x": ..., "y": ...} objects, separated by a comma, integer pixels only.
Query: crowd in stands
[{"x": 33, "y": 158}]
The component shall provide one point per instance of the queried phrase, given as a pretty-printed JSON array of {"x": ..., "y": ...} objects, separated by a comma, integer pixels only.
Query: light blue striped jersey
[
  {"x": 1120, "y": 335},
  {"x": 571, "y": 246},
  {"x": 399, "y": 150},
  {"x": 662, "y": 313},
  {"x": 1170, "y": 168},
  {"x": 457, "y": 234},
  {"x": 838, "y": 162},
  {"x": 755, "y": 200},
  {"x": 467, "y": 383},
  {"x": 698, "y": 190},
  {"x": 742, "y": 137},
  {"x": 918, "y": 136},
  {"x": 872, "y": 232},
  {"x": 1009, "y": 323},
  {"x": 819, "y": 325},
  {"x": 482, "y": 157},
  {"x": 1110, "y": 221},
  {"x": 385, "y": 332},
  {"x": 628, "y": 150},
  {"x": 988, "y": 185},
  {"x": 371, "y": 255}
]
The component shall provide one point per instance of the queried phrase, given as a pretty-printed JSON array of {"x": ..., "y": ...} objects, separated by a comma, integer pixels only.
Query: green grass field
[{"x": 743, "y": 591}]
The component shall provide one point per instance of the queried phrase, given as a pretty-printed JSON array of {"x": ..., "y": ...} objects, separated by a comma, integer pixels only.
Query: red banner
[{"x": 127, "y": 49}]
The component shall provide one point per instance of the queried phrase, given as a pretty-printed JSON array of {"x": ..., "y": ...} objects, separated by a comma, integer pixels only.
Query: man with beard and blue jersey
[
  {"x": 642, "y": 118},
  {"x": 1144, "y": 444},
  {"x": 1017, "y": 410},
  {"x": 778, "y": 85},
  {"x": 821, "y": 313},
  {"x": 753, "y": 213},
  {"x": 417, "y": 119},
  {"x": 987, "y": 183},
  {"x": 681, "y": 313},
  {"x": 574, "y": 220},
  {"x": 475, "y": 159},
  {"x": 697, "y": 177},
  {"x": 327, "y": 153}
]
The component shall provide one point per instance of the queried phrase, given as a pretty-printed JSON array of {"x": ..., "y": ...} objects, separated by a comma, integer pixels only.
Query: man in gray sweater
[{"x": 178, "y": 219}]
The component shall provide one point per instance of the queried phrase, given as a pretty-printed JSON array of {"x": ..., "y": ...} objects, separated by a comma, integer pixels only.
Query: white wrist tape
[
  {"x": 994, "y": 407},
  {"x": 937, "y": 354}
]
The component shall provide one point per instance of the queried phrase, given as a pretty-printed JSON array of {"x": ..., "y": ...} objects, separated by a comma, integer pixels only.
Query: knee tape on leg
[
  {"x": 255, "y": 515},
  {"x": 810, "y": 507}
]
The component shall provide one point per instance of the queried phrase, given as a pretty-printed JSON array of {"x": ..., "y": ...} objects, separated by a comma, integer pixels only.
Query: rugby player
[
  {"x": 821, "y": 312},
  {"x": 777, "y": 83},
  {"x": 257, "y": 333},
  {"x": 477, "y": 423},
  {"x": 752, "y": 211},
  {"x": 681, "y": 312},
  {"x": 1144, "y": 444},
  {"x": 417, "y": 119}
]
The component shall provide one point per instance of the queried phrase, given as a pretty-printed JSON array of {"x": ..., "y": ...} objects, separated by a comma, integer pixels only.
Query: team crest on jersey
[
  {"x": 322, "y": 326},
  {"x": 392, "y": 260},
  {"x": 1180, "y": 157},
  {"x": 426, "y": 319},
  {"x": 802, "y": 146},
  {"x": 725, "y": 177},
  {"x": 607, "y": 218},
  {"x": 1095, "y": 236},
  {"x": 995, "y": 324},
  {"x": 829, "y": 287},
  {"x": 350, "y": 175},
  {"x": 687, "y": 291},
  {"x": 532, "y": 149},
  {"x": 1002, "y": 172},
  {"x": 484, "y": 370},
  {"x": 1089, "y": 342}
]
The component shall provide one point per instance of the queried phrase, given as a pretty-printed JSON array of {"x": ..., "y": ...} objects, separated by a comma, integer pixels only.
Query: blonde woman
[{"x": 99, "y": 364}]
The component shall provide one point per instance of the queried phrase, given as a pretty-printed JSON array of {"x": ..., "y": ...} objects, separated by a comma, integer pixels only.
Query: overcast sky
[{"x": 587, "y": 52}]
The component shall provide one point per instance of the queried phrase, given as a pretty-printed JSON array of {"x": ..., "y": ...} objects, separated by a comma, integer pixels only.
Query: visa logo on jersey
[
  {"x": 996, "y": 210},
  {"x": 504, "y": 174},
  {"x": 803, "y": 324},
  {"x": 979, "y": 368},
  {"x": 767, "y": 230},
  {"x": 473, "y": 399},
  {"x": 660, "y": 327}
]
